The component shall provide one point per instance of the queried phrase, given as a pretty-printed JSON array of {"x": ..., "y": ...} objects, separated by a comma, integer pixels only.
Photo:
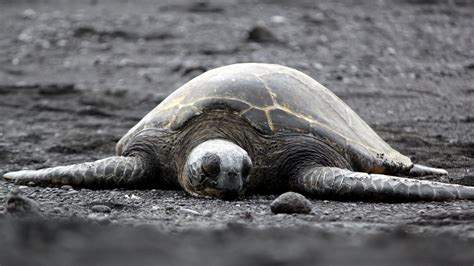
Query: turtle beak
[
  {"x": 231, "y": 185},
  {"x": 228, "y": 186}
]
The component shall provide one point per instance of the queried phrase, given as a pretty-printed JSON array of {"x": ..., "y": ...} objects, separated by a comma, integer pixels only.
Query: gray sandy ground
[{"x": 74, "y": 77}]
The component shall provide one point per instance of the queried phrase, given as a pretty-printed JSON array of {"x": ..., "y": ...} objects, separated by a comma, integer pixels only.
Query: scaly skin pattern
[
  {"x": 336, "y": 183},
  {"x": 106, "y": 173}
]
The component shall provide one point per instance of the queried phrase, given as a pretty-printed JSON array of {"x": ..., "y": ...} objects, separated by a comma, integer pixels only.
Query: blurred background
[{"x": 76, "y": 75}]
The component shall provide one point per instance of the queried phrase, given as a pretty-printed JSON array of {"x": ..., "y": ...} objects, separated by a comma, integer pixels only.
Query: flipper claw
[{"x": 421, "y": 170}]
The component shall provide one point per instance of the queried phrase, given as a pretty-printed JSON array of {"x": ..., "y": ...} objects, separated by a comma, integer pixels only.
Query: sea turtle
[{"x": 255, "y": 128}]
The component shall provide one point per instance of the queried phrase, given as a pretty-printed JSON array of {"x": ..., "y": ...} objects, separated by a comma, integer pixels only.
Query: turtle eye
[
  {"x": 211, "y": 164},
  {"x": 246, "y": 167}
]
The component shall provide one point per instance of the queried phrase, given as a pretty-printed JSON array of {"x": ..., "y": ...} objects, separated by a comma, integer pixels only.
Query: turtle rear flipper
[
  {"x": 343, "y": 184},
  {"x": 109, "y": 172}
]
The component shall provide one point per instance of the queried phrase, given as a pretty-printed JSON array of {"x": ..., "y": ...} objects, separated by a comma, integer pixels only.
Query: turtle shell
[{"x": 273, "y": 99}]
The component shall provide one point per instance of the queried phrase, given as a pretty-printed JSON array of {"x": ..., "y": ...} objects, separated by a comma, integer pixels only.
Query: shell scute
[
  {"x": 289, "y": 122},
  {"x": 243, "y": 87},
  {"x": 233, "y": 105},
  {"x": 259, "y": 120},
  {"x": 182, "y": 115}
]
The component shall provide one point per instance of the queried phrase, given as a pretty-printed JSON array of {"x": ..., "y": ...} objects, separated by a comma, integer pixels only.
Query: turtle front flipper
[
  {"x": 343, "y": 184},
  {"x": 114, "y": 171}
]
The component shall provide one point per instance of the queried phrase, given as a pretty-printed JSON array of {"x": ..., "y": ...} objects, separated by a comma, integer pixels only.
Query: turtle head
[{"x": 217, "y": 168}]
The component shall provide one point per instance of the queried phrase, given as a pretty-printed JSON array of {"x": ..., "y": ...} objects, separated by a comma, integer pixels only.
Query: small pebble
[
  {"x": 317, "y": 66},
  {"x": 71, "y": 192},
  {"x": 190, "y": 211},
  {"x": 391, "y": 51},
  {"x": 247, "y": 216},
  {"x": 133, "y": 197},
  {"x": 316, "y": 18},
  {"x": 21, "y": 206},
  {"x": 278, "y": 19},
  {"x": 418, "y": 220},
  {"x": 101, "y": 208},
  {"x": 261, "y": 34},
  {"x": 57, "y": 210},
  {"x": 29, "y": 14},
  {"x": 205, "y": 7},
  {"x": 290, "y": 202},
  {"x": 66, "y": 187},
  {"x": 207, "y": 213},
  {"x": 99, "y": 218},
  {"x": 469, "y": 65}
]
